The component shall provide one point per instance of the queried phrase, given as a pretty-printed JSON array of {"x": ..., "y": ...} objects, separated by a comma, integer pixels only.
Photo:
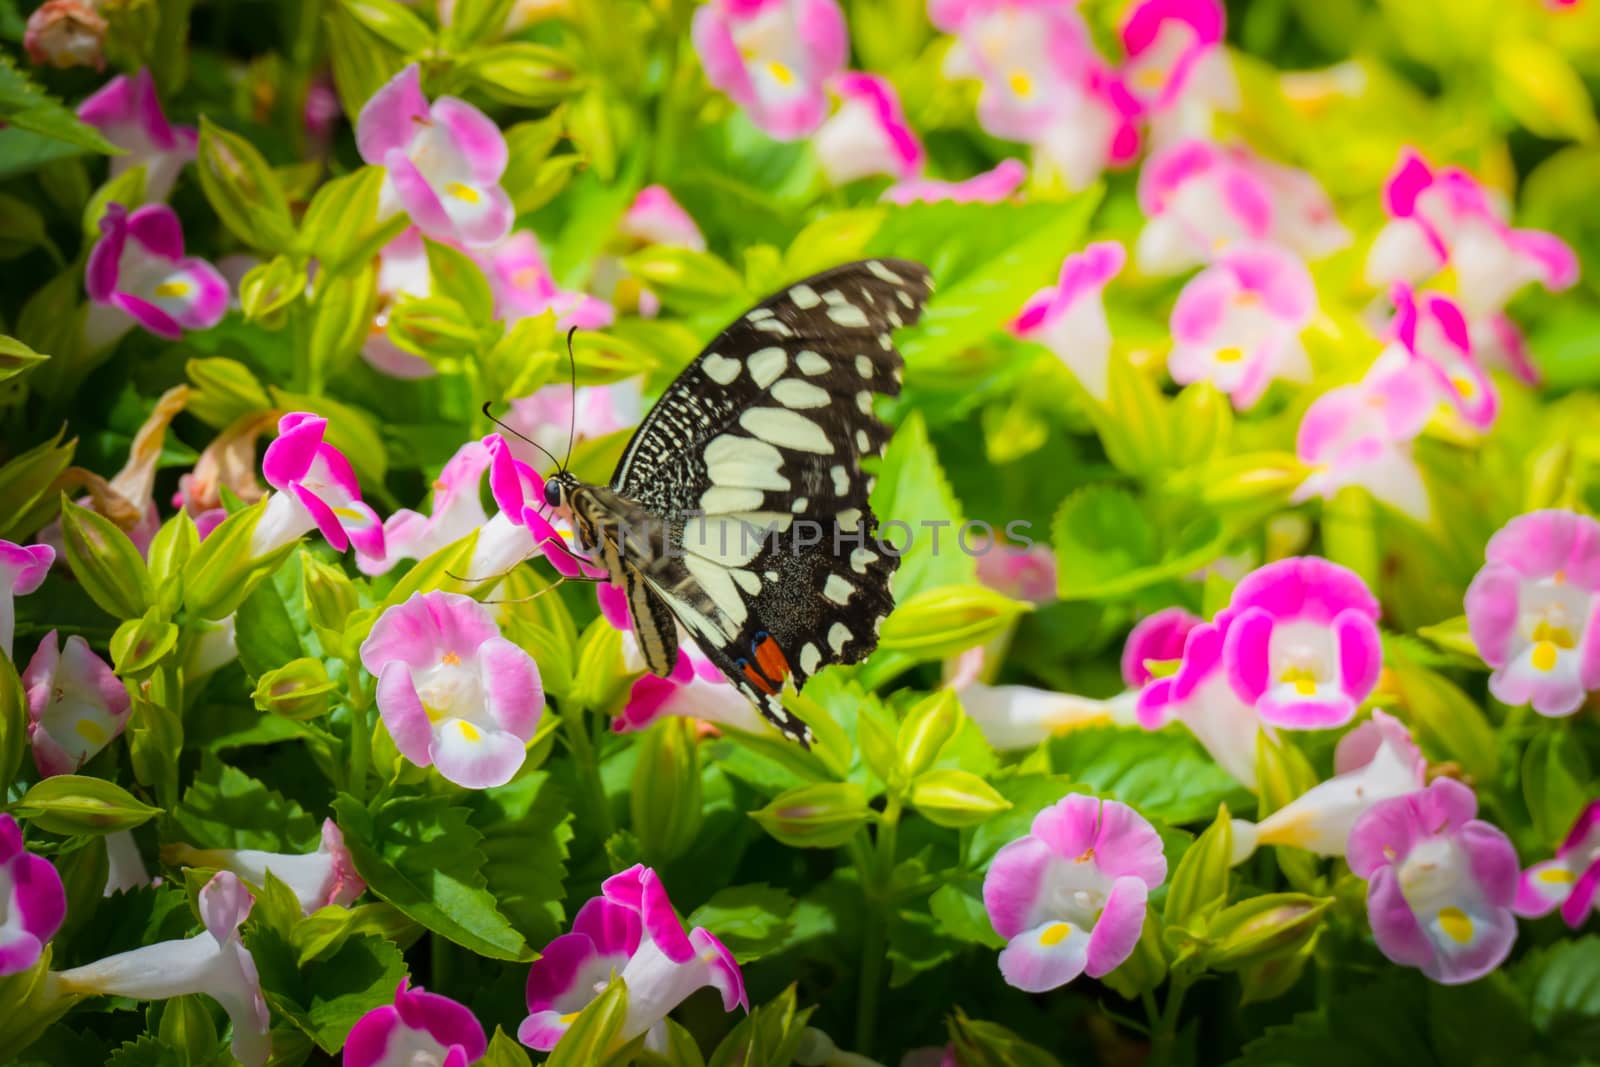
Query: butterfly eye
[{"x": 553, "y": 493}]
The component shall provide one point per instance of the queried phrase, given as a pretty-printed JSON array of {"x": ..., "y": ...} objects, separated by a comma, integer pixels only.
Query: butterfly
[{"x": 739, "y": 509}]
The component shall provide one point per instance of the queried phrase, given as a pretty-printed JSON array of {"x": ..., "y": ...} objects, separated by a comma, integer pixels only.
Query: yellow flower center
[
  {"x": 525, "y": 277},
  {"x": 1304, "y": 682},
  {"x": 1464, "y": 386},
  {"x": 465, "y": 193},
  {"x": 1545, "y": 656},
  {"x": 1151, "y": 78},
  {"x": 1054, "y": 934},
  {"x": 90, "y": 731},
  {"x": 1232, "y": 354},
  {"x": 450, "y": 659},
  {"x": 780, "y": 73},
  {"x": 1559, "y": 636},
  {"x": 172, "y": 289},
  {"x": 470, "y": 732},
  {"x": 569, "y": 1018},
  {"x": 1020, "y": 83},
  {"x": 1456, "y": 925},
  {"x": 1557, "y": 876}
]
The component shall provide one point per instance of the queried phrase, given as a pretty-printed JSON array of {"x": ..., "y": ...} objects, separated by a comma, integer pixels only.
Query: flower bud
[
  {"x": 106, "y": 563},
  {"x": 299, "y": 690},
  {"x": 1262, "y": 928},
  {"x": 927, "y": 728},
  {"x": 331, "y": 600},
  {"x": 72, "y": 804},
  {"x": 1201, "y": 880},
  {"x": 222, "y": 572},
  {"x": 66, "y": 33},
  {"x": 268, "y": 288},
  {"x": 956, "y": 798},
  {"x": 943, "y": 622},
  {"x": 816, "y": 816},
  {"x": 665, "y": 799},
  {"x": 140, "y": 643}
]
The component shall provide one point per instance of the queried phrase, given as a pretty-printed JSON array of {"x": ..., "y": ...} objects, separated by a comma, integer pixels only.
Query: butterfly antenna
[
  {"x": 513, "y": 431},
  {"x": 572, "y": 416}
]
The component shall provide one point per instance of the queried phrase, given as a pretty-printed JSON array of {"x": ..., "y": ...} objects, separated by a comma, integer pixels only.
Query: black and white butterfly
[{"x": 739, "y": 509}]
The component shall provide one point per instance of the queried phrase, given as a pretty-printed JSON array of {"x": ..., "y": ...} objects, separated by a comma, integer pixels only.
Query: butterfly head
[{"x": 558, "y": 489}]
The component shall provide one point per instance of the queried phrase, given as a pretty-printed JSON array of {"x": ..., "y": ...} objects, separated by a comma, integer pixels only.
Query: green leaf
[
  {"x": 1538, "y": 85},
  {"x": 768, "y": 1035},
  {"x": 25, "y": 106},
  {"x": 17, "y": 359},
  {"x": 1555, "y": 782},
  {"x": 226, "y": 808},
  {"x": 392, "y": 23},
  {"x": 70, "y": 804},
  {"x": 421, "y": 854},
  {"x": 958, "y": 911},
  {"x": 752, "y": 920},
  {"x": 594, "y": 1032},
  {"x": 25, "y": 482},
  {"x": 325, "y": 998},
  {"x": 1562, "y": 985},
  {"x": 341, "y": 227},
  {"x": 1165, "y": 774},
  {"x": 342, "y": 309},
  {"x": 1100, "y": 534},
  {"x": 242, "y": 189},
  {"x": 457, "y": 277},
  {"x": 107, "y": 564},
  {"x": 145, "y": 1051},
  {"x": 1200, "y": 882},
  {"x": 1447, "y": 720},
  {"x": 951, "y": 797},
  {"x": 522, "y": 74},
  {"x": 526, "y": 827},
  {"x": 186, "y": 1026},
  {"x": 325, "y": 930},
  {"x": 504, "y": 1052},
  {"x": 13, "y": 723},
  {"x": 912, "y": 490}
]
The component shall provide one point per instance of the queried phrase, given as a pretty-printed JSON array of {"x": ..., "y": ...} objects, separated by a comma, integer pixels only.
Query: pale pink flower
[{"x": 773, "y": 58}]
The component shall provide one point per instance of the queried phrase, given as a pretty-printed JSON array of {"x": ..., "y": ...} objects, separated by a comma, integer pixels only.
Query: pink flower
[
  {"x": 630, "y": 930},
  {"x": 1070, "y": 318},
  {"x": 1201, "y": 697},
  {"x": 1433, "y": 330},
  {"x": 76, "y": 705},
  {"x": 418, "y": 1030},
  {"x": 1440, "y": 883},
  {"x": 1020, "y": 573},
  {"x": 443, "y": 161},
  {"x": 523, "y": 286},
  {"x": 126, "y": 112},
  {"x": 402, "y": 272},
  {"x": 1571, "y": 880},
  {"x": 1301, "y": 643},
  {"x": 991, "y": 187},
  {"x": 547, "y": 416},
  {"x": 316, "y": 489},
  {"x": 869, "y": 134},
  {"x": 66, "y": 33},
  {"x": 1070, "y": 896},
  {"x": 1237, "y": 323},
  {"x": 520, "y": 493},
  {"x": 214, "y": 962},
  {"x": 1176, "y": 67},
  {"x": 22, "y": 570},
  {"x": 656, "y": 218},
  {"x": 1157, "y": 638},
  {"x": 320, "y": 879},
  {"x": 137, "y": 272},
  {"x": 457, "y": 511},
  {"x": 1533, "y": 612},
  {"x": 451, "y": 690},
  {"x": 1445, "y": 218},
  {"x": 773, "y": 57},
  {"x": 32, "y": 901},
  {"x": 1201, "y": 197}
]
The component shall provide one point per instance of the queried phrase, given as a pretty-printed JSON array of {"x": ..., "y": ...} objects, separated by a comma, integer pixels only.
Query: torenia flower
[
  {"x": 519, "y": 491},
  {"x": 76, "y": 705},
  {"x": 656, "y": 218},
  {"x": 1096, "y": 128},
  {"x": 1237, "y": 323},
  {"x": 137, "y": 273},
  {"x": 1570, "y": 881},
  {"x": 1302, "y": 643},
  {"x": 773, "y": 58},
  {"x": 418, "y": 1030},
  {"x": 1445, "y": 218},
  {"x": 1432, "y": 329},
  {"x": 1176, "y": 66},
  {"x": 402, "y": 272},
  {"x": 869, "y": 134},
  {"x": 451, "y": 690},
  {"x": 1200, "y": 696},
  {"x": 1030, "y": 58},
  {"x": 1533, "y": 613},
  {"x": 991, "y": 187},
  {"x": 66, "y": 33},
  {"x": 1375, "y": 761},
  {"x": 523, "y": 286},
  {"x": 214, "y": 962},
  {"x": 548, "y": 416},
  {"x": 1440, "y": 882},
  {"x": 316, "y": 489},
  {"x": 1156, "y": 638},
  {"x": 1069, "y": 897},
  {"x": 1070, "y": 318},
  {"x": 126, "y": 112},
  {"x": 32, "y": 901},
  {"x": 22, "y": 570},
  {"x": 629, "y": 930},
  {"x": 457, "y": 511},
  {"x": 442, "y": 161},
  {"x": 1020, "y": 573},
  {"x": 318, "y": 879},
  {"x": 1015, "y": 718}
]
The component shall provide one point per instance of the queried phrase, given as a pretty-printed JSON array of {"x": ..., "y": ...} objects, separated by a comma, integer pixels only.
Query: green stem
[
  {"x": 875, "y": 883},
  {"x": 583, "y": 754},
  {"x": 1166, "y": 1032},
  {"x": 360, "y": 734}
]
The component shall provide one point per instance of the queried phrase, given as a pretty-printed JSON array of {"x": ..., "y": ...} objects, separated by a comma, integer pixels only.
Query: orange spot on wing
[
  {"x": 770, "y": 658},
  {"x": 757, "y": 680}
]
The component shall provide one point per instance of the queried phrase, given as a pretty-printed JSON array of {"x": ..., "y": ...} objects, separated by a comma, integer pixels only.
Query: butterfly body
[{"x": 739, "y": 508}]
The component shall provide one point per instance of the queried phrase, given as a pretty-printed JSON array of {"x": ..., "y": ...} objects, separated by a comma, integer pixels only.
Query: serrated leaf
[
  {"x": 526, "y": 827},
  {"x": 1165, "y": 774},
  {"x": 752, "y": 920},
  {"x": 25, "y": 106},
  {"x": 226, "y": 808}
]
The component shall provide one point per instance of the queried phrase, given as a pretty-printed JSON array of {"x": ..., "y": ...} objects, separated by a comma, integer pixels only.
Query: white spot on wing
[
  {"x": 810, "y": 658},
  {"x": 742, "y": 463},
  {"x": 861, "y": 559},
  {"x": 800, "y": 504},
  {"x": 849, "y": 519},
  {"x": 767, "y": 365},
  {"x": 777, "y": 326},
  {"x": 848, "y": 316},
  {"x": 747, "y": 581},
  {"x": 804, "y": 297},
  {"x": 794, "y": 393},
  {"x": 841, "y": 479},
  {"x": 717, "y": 583},
  {"x": 864, "y": 366},
  {"x": 811, "y": 363},
  {"x": 787, "y": 429},
  {"x": 864, "y": 401},
  {"x": 863, "y": 442},
  {"x": 837, "y": 589},
  {"x": 720, "y": 500},
  {"x": 838, "y": 636},
  {"x": 720, "y": 369},
  {"x": 885, "y": 273}
]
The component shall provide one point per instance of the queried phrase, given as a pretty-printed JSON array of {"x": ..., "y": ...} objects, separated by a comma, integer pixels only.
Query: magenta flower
[
  {"x": 1201, "y": 697},
  {"x": 457, "y": 511},
  {"x": 451, "y": 690},
  {"x": 1176, "y": 67},
  {"x": 523, "y": 286},
  {"x": 1069, "y": 897},
  {"x": 630, "y": 930},
  {"x": 1432, "y": 329},
  {"x": 869, "y": 134},
  {"x": 1440, "y": 883},
  {"x": 418, "y": 1030},
  {"x": 991, "y": 187},
  {"x": 213, "y": 962},
  {"x": 402, "y": 272},
  {"x": 1237, "y": 323},
  {"x": 138, "y": 273},
  {"x": 1070, "y": 319},
  {"x": 126, "y": 112},
  {"x": 1533, "y": 612},
  {"x": 773, "y": 58},
  {"x": 1571, "y": 880},
  {"x": 66, "y": 33},
  {"x": 316, "y": 489},
  {"x": 326, "y": 877},
  {"x": 1020, "y": 573},
  {"x": 76, "y": 705},
  {"x": 32, "y": 901},
  {"x": 1301, "y": 643},
  {"x": 519, "y": 491},
  {"x": 1445, "y": 218},
  {"x": 22, "y": 570},
  {"x": 656, "y": 218},
  {"x": 442, "y": 161},
  {"x": 1157, "y": 638}
]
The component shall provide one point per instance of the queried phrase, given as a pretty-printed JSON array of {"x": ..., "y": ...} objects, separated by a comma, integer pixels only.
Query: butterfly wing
[{"x": 762, "y": 438}]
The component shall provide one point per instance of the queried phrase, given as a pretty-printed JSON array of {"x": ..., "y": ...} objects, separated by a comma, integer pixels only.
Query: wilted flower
[
  {"x": 1432, "y": 330},
  {"x": 1020, "y": 573},
  {"x": 773, "y": 58},
  {"x": 318, "y": 879},
  {"x": 991, "y": 187},
  {"x": 523, "y": 286},
  {"x": 22, "y": 570},
  {"x": 1070, "y": 318},
  {"x": 656, "y": 218},
  {"x": 1532, "y": 611},
  {"x": 316, "y": 489},
  {"x": 1176, "y": 66},
  {"x": 1375, "y": 761},
  {"x": 1237, "y": 323},
  {"x": 869, "y": 134},
  {"x": 1570, "y": 881},
  {"x": 1440, "y": 882},
  {"x": 127, "y": 113},
  {"x": 138, "y": 273},
  {"x": 442, "y": 161},
  {"x": 630, "y": 930},
  {"x": 418, "y": 1030},
  {"x": 457, "y": 511},
  {"x": 228, "y": 462},
  {"x": 76, "y": 704},
  {"x": 451, "y": 690},
  {"x": 214, "y": 963},
  {"x": 66, "y": 33},
  {"x": 32, "y": 901},
  {"x": 1069, "y": 897}
]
